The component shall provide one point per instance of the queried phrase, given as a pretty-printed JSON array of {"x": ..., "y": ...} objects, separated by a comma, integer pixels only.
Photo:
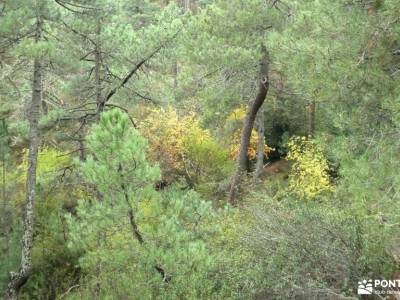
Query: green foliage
[
  {"x": 342, "y": 55},
  {"x": 20, "y": 131},
  {"x": 51, "y": 118},
  {"x": 314, "y": 250},
  {"x": 175, "y": 226},
  {"x": 9, "y": 252}
]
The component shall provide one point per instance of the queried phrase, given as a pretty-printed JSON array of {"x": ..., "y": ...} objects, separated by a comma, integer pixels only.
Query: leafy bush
[
  {"x": 309, "y": 173},
  {"x": 134, "y": 242},
  {"x": 311, "y": 250},
  {"x": 184, "y": 149}
]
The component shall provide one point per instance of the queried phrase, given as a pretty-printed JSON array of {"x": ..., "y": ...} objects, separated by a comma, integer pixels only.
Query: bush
[
  {"x": 309, "y": 173},
  {"x": 185, "y": 150},
  {"x": 134, "y": 242},
  {"x": 312, "y": 250}
]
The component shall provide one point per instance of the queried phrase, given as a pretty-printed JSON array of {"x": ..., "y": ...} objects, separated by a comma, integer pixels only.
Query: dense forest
[{"x": 199, "y": 149}]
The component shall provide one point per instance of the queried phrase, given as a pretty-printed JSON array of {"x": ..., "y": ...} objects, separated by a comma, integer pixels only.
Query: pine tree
[
  {"x": 163, "y": 236},
  {"x": 18, "y": 279}
]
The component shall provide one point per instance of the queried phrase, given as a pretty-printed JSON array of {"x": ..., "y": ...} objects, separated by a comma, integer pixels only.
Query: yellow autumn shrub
[
  {"x": 237, "y": 116},
  {"x": 251, "y": 151},
  {"x": 309, "y": 176},
  {"x": 183, "y": 148}
]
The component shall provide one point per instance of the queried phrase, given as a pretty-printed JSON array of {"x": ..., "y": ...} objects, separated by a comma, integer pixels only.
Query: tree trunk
[
  {"x": 81, "y": 143},
  {"x": 100, "y": 102},
  {"x": 249, "y": 123},
  {"x": 186, "y": 5},
  {"x": 163, "y": 3},
  {"x": 4, "y": 216},
  {"x": 311, "y": 119},
  {"x": 18, "y": 279},
  {"x": 371, "y": 8},
  {"x": 260, "y": 144},
  {"x": 193, "y": 6},
  {"x": 45, "y": 107}
]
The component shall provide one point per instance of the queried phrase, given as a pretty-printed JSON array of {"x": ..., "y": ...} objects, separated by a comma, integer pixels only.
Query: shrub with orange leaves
[{"x": 184, "y": 149}]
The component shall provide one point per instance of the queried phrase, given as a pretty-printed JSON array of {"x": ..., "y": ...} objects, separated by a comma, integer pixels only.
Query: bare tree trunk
[
  {"x": 45, "y": 107},
  {"x": 193, "y": 6},
  {"x": 18, "y": 279},
  {"x": 260, "y": 144},
  {"x": 163, "y": 3},
  {"x": 4, "y": 216},
  {"x": 371, "y": 8},
  {"x": 3, "y": 159},
  {"x": 97, "y": 72},
  {"x": 248, "y": 124},
  {"x": 311, "y": 119},
  {"x": 81, "y": 143},
  {"x": 186, "y": 5}
]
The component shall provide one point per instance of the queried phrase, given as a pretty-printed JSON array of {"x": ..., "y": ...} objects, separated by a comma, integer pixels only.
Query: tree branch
[
  {"x": 131, "y": 73},
  {"x": 136, "y": 68}
]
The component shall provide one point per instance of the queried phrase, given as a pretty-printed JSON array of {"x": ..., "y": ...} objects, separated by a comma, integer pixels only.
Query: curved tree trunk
[
  {"x": 249, "y": 123},
  {"x": 18, "y": 279}
]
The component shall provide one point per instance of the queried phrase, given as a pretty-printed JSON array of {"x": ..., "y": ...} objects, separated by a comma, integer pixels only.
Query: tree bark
[
  {"x": 4, "y": 216},
  {"x": 186, "y": 5},
  {"x": 193, "y": 6},
  {"x": 97, "y": 72},
  {"x": 311, "y": 119},
  {"x": 18, "y": 279},
  {"x": 371, "y": 8},
  {"x": 248, "y": 124},
  {"x": 81, "y": 143},
  {"x": 260, "y": 144}
]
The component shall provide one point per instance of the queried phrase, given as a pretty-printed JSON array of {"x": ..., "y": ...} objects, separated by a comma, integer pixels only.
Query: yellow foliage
[
  {"x": 309, "y": 174},
  {"x": 181, "y": 146},
  {"x": 49, "y": 161},
  {"x": 234, "y": 145},
  {"x": 237, "y": 114},
  {"x": 252, "y": 150},
  {"x": 165, "y": 132}
]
